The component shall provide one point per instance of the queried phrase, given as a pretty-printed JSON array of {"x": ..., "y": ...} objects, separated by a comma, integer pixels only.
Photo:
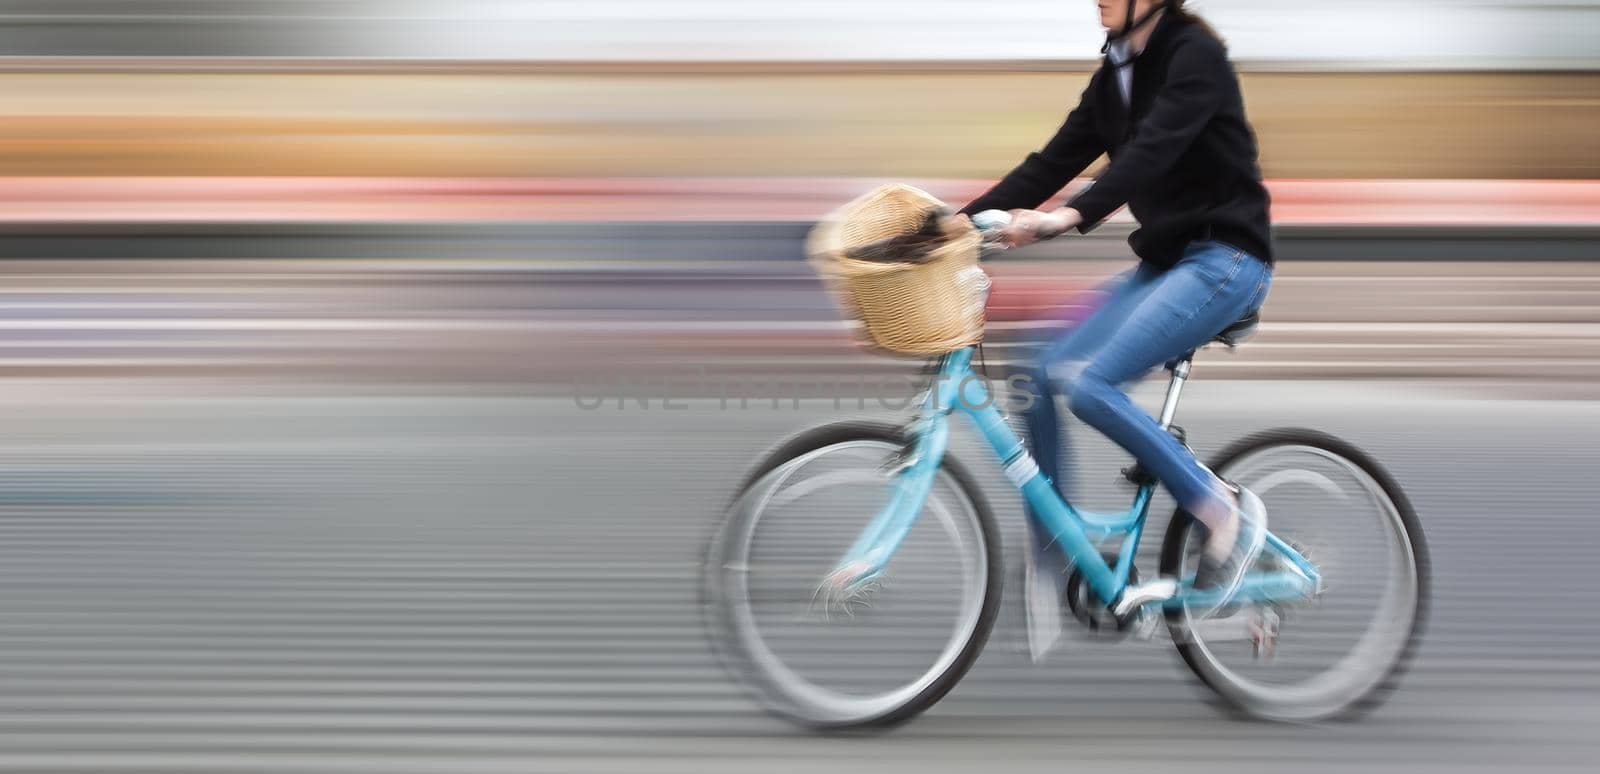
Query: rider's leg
[
  {"x": 1211, "y": 287},
  {"x": 1045, "y": 437},
  {"x": 1045, "y": 576}
]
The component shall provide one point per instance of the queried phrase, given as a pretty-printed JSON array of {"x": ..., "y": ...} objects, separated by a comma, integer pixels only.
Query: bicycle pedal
[
  {"x": 1135, "y": 597},
  {"x": 1264, "y": 628}
]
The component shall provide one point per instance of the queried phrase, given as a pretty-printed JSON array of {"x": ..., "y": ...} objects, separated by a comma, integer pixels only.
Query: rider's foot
[{"x": 1232, "y": 548}]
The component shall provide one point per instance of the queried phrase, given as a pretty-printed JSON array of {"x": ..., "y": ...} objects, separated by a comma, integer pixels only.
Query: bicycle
[{"x": 790, "y": 603}]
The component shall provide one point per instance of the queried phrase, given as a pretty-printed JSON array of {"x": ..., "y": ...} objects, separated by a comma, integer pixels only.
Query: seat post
[{"x": 1180, "y": 374}]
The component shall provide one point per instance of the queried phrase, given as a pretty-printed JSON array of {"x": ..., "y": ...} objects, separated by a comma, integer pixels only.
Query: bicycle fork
[{"x": 912, "y": 473}]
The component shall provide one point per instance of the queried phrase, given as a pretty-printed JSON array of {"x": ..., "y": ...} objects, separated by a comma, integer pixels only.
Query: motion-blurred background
[{"x": 305, "y": 302}]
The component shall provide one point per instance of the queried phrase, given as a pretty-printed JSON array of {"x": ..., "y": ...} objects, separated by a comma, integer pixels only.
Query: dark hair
[{"x": 1175, "y": 7}]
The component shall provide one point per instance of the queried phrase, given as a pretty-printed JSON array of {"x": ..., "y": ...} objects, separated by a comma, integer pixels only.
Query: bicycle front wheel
[
  {"x": 1344, "y": 650},
  {"x": 888, "y": 650}
]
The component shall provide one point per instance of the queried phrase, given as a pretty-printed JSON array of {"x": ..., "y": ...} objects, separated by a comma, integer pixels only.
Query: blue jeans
[{"x": 1152, "y": 317}]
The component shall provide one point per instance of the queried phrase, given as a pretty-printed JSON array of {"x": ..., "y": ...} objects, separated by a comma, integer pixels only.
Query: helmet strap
[{"x": 1132, "y": 24}]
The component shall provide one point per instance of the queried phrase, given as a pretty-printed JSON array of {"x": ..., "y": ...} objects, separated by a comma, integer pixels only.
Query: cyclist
[{"x": 1165, "y": 104}]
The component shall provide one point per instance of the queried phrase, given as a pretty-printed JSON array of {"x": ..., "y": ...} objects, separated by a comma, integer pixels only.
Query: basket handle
[{"x": 912, "y": 247}]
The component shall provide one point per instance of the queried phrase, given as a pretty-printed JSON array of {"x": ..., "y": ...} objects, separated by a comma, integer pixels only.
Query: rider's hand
[{"x": 1029, "y": 226}]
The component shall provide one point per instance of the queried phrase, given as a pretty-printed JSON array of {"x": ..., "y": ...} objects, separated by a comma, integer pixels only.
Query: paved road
[{"x": 193, "y": 578}]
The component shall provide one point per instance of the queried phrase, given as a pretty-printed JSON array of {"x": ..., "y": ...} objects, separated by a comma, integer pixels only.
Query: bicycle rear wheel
[
  {"x": 1344, "y": 651},
  {"x": 882, "y": 655}
]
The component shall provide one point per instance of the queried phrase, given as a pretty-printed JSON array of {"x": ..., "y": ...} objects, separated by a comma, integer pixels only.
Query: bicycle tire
[
  {"x": 1232, "y": 695},
  {"x": 717, "y": 604}
]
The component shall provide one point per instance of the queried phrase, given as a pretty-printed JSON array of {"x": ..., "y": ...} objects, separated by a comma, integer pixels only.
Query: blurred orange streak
[
  {"x": 329, "y": 199},
  {"x": 725, "y": 120}
]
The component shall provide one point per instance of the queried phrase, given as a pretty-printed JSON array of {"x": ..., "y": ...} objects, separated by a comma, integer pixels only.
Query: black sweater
[{"x": 1185, "y": 164}]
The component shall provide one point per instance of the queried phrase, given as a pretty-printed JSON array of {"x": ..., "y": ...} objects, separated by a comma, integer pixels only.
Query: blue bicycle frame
[{"x": 1078, "y": 533}]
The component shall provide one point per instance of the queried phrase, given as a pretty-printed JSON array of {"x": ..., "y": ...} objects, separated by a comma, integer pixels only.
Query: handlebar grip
[{"x": 991, "y": 220}]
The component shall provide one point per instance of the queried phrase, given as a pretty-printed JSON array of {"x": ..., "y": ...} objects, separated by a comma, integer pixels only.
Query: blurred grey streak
[
  {"x": 1445, "y": 34},
  {"x": 533, "y": 307}
]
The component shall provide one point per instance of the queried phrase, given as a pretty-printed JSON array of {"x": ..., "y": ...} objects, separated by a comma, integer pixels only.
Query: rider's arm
[
  {"x": 1198, "y": 76},
  {"x": 1048, "y": 170}
]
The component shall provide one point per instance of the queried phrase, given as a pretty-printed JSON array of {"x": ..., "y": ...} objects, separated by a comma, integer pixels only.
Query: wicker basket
[{"x": 929, "y": 307}]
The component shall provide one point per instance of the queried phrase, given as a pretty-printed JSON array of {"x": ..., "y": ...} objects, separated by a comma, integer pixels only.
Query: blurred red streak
[{"x": 466, "y": 200}]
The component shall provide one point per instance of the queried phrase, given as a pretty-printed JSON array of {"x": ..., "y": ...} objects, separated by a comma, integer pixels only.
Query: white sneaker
[{"x": 1228, "y": 575}]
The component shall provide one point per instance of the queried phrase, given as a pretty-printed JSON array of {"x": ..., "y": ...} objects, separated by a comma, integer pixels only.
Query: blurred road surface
[{"x": 194, "y": 579}]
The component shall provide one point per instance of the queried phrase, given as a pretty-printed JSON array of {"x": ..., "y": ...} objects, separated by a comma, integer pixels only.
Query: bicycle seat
[{"x": 1244, "y": 328}]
